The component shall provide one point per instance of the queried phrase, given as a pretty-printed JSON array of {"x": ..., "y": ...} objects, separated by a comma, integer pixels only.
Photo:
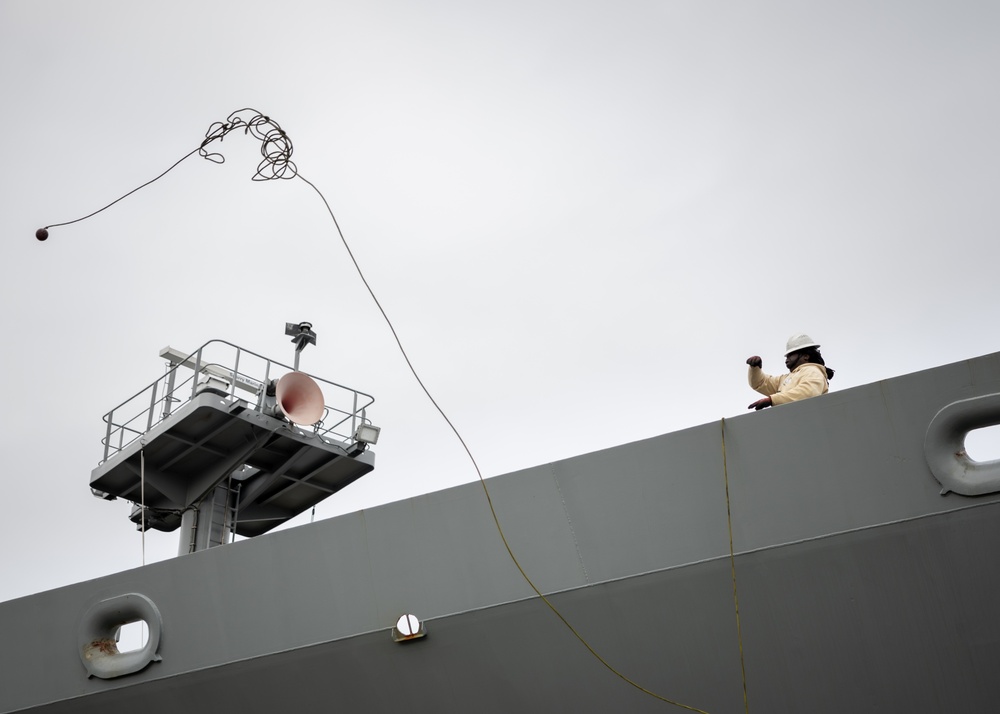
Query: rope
[
  {"x": 142, "y": 515},
  {"x": 142, "y": 496},
  {"x": 276, "y": 150},
  {"x": 732, "y": 564},
  {"x": 482, "y": 480}
]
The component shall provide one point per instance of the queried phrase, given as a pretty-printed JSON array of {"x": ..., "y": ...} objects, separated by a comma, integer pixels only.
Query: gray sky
[{"x": 582, "y": 217}]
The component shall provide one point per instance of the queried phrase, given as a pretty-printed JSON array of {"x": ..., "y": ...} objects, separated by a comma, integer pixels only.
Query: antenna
[{"x": 302, "y": 334}]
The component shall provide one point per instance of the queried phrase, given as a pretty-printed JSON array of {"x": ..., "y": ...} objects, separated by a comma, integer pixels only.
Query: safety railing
[{"x": 239, "y": 375}]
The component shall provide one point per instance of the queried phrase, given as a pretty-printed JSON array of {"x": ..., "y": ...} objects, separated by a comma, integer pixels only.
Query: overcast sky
[{"x": 582, "y": 217}]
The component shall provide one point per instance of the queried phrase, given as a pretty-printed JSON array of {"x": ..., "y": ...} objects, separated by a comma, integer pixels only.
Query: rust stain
[{"x": 107, "y": 647}]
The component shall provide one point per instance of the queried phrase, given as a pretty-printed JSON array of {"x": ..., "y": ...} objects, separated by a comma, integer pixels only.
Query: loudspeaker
[{"x": 299, "y": 398}]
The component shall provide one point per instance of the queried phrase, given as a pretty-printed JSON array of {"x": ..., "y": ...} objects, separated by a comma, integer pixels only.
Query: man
[{"x": 808, "y": 375}]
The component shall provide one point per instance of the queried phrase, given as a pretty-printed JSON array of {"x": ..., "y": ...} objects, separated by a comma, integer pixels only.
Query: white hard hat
[{"x": 799, "y": 342}]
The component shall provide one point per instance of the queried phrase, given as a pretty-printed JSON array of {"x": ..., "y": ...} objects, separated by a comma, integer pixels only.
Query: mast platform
[{"x": 195, "y": 449}]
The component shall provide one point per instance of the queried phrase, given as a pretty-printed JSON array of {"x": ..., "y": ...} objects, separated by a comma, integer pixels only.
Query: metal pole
[
  {"x": 152, "y": 405},
  {"x": 107, "y": 438},
  {"x": 168, "y": 398}
]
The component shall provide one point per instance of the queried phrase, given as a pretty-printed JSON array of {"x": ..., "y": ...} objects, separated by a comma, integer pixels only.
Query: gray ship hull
[{"x": 861, "y": 588}]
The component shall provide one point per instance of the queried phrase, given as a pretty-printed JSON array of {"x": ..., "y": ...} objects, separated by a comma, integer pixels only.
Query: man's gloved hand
[{"x": 761, "y": 404}]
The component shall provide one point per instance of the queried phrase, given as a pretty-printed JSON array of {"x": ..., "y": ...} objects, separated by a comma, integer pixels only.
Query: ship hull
[{"x": 859, "y": 586}]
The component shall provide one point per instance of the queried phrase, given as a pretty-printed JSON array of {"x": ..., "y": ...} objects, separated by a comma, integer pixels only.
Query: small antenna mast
[{"x": 302, "y": 334}]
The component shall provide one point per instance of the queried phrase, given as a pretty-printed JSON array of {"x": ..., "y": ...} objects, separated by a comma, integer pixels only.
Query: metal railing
[{"x": 226, "y": 368}]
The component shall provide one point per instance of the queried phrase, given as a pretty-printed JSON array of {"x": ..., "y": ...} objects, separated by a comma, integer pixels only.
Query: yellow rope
[
  {"x": 558, "y": 614},
  {"x": 479, "y": 473},
  {"x": 732, "y": 564}
]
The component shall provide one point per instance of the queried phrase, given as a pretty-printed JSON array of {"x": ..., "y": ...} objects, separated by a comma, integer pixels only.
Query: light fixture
[
  {"x": 367, "y": 434},
  {"x": 364, "y": 435},
  {"x": 407, "y": 628}
]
